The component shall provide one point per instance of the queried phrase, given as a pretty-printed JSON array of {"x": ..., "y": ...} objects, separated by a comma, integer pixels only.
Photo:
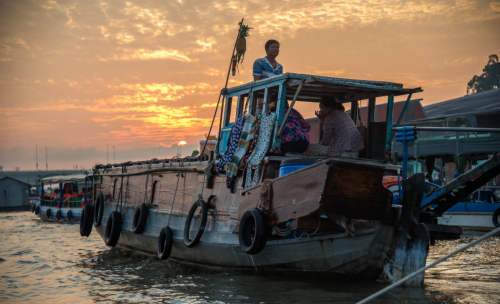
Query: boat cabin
[{"x": 377, "y": 136}]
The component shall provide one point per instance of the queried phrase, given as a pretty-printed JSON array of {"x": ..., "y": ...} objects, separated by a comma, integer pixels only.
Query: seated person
[
  {"x": 294, "y": 137},
  {"x": 55, "y": 194},
  {"x": 340, "y": 135}
]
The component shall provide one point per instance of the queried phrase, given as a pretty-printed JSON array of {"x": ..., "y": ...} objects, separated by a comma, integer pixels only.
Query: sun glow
[{"x": 181, "y": 143}]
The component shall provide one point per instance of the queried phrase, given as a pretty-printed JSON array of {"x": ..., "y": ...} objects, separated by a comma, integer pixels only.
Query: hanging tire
[
  {"x": 86, "y": 220},
  {"x": 140, "y": 218},
  {"x": 48, "y": 213},
  {"x": 37, "y": 209},
  {"x": 113, "y": 229},
  {"x": 69, "y": 215},
  {"x": 99, "y": 210},
  {"x": 204, "y": 211},
  {"x": 33, "y": 207},
  {"x": 253, "y": 231},
  {"x": 496, "y": 216},
  {"x": 165, "y": 242},
  {"x": 58, "y": 214}
]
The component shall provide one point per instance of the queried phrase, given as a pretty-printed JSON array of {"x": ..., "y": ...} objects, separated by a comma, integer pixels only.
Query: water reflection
[{"x": 48, "y": 262}]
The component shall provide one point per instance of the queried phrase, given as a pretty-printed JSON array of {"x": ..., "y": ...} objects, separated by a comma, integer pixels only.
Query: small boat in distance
[{"x": 64, "y": 202}]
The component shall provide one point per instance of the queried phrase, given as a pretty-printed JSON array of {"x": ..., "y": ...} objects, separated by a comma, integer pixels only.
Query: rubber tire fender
[
  {"x": 86, "y": 220},
  {"x": 69, "y": 215},
  {"x": 48, "y": 213},
  {"x": 113, "y": 229},
  {"x": 496, "y": 214},
  {"x": 165, "y": 242},
  {"x": 204, "y": 211},
  {"x": 37, "y": 209},
  {"x": 99, "y": 210},
  {"x": 140, "y": 218},
  {"x": 58, "y": 214},
  {"x": 33, "y": 207},
  {"x": 253, "y": 221}
]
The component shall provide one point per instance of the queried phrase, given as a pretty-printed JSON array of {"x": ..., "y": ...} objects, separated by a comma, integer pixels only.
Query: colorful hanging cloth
[
  {"x": 232, "y": 168},
  {"x": 252, "y": 139},
  {"x": 265, "y": 132},
  {"x": 232, "y": 143}
]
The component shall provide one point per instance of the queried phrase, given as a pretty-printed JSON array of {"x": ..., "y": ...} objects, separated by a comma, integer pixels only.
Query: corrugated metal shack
[{"x": 14, "y": 195}]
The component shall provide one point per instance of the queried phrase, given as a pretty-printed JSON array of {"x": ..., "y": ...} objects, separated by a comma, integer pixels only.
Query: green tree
[{"x": 490, "y": 79}]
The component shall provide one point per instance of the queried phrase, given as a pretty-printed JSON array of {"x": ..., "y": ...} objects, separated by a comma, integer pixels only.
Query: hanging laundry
[
  {"x": 252, "y": 139},
  {"x": 232, "y": 143},
  {"x": 232, "y": 168},
  {"x": 265, "y": 132}
]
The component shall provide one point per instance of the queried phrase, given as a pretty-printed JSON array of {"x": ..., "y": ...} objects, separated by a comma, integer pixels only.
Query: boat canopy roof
[
  {"x": 315, "y": 87},
  {"x": 64, "y": 178}
]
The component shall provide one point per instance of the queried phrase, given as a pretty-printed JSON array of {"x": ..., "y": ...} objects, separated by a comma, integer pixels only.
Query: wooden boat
[
  {"x": 333, "y": 217},
  {"x": 67, "y": 204}
]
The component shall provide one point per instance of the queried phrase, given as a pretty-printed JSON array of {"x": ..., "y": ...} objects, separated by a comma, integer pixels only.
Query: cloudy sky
[{"x": 143, "y": 75}]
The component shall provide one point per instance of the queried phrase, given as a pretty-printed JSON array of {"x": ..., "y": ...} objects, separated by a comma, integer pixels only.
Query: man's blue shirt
[{"x": 263, "y": 68}]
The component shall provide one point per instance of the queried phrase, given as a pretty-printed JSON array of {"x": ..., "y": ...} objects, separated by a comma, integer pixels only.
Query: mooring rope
[
  {"x": 398, "y": 283},
  {"x": 172, "y": 208}
]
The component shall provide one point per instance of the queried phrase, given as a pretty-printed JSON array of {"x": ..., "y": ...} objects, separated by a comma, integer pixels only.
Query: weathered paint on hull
[{"x": 361, "y": 256}]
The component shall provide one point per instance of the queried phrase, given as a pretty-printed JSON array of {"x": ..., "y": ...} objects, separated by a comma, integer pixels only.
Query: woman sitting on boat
[
  {"x": 340, "y": 135},
  {"x": 294, "y": 137}
]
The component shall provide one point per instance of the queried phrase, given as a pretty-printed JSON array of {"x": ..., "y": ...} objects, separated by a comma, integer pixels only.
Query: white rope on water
[{"x": 398, "y": 283}]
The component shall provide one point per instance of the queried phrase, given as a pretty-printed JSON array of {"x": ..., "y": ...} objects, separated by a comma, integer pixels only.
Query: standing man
[{"x": 267, "y": 67}]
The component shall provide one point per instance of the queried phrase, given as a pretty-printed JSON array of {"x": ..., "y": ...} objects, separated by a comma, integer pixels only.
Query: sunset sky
[{"x": 144, "y": 75}]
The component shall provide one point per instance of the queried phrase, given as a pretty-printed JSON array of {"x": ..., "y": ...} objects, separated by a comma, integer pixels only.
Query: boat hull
[
  {"x": 334, "y": 255},
  {"x": 468, "y": 220},
  {"x": 64, "y": 214}
]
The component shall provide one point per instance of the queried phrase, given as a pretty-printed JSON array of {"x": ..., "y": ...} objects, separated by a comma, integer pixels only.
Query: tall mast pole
[
  {"x": 107, "y": 161},
  {"x": 114, "y": 155},
  {"x": 220, "y": 95},
  {"x": 36, "y": 157},
  {"x": 46, "y": 160}
]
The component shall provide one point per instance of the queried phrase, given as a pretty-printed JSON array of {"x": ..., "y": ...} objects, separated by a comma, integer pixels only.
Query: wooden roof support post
[
  {"x": 354, "y": 111},
  {"x": 227, "y": 111},
  {"x": 239, "y": 107},
  {"x": 390, "y": 109},
  {"x": 371, "y": 118},
  {"x": 276, "y": 146},
  {"x": 267, "y": 98},
  {"x": 400, "y": 117}
]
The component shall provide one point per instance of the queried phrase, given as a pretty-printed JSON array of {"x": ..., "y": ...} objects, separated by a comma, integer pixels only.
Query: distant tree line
[{"x": 490, "y": 79}]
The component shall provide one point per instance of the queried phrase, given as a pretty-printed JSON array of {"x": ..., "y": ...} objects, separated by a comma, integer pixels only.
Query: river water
[{"x": 49, "y": 262}]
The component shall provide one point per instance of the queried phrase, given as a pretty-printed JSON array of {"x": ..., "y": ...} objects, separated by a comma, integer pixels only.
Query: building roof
[
  {"x": 413, "y": 112},
  {"x": 488, "y": 101},
  {"x": 2, "y": 178}
]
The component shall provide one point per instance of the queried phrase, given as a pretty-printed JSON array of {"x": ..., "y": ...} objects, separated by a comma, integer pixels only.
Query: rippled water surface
[{"x": 48, "y": 262}]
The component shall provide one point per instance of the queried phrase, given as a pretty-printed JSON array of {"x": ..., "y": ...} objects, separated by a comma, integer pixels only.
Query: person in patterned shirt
[{"x": 341, "y": 136}]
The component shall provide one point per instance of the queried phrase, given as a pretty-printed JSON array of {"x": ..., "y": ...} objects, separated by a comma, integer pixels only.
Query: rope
[
  {"x": 120, "y": 194},
  {"x": 394, "y": 285},
  {"x": 172, "y": 208}
]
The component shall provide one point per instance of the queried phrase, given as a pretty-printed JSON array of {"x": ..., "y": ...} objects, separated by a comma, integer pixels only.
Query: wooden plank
[{"x": 358, "y": 194}]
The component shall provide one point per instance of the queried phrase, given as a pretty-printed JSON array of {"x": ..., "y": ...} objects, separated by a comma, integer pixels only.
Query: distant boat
[
  {"x": 64, "y": 202},
  {"x": 483, "y": 213}
]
